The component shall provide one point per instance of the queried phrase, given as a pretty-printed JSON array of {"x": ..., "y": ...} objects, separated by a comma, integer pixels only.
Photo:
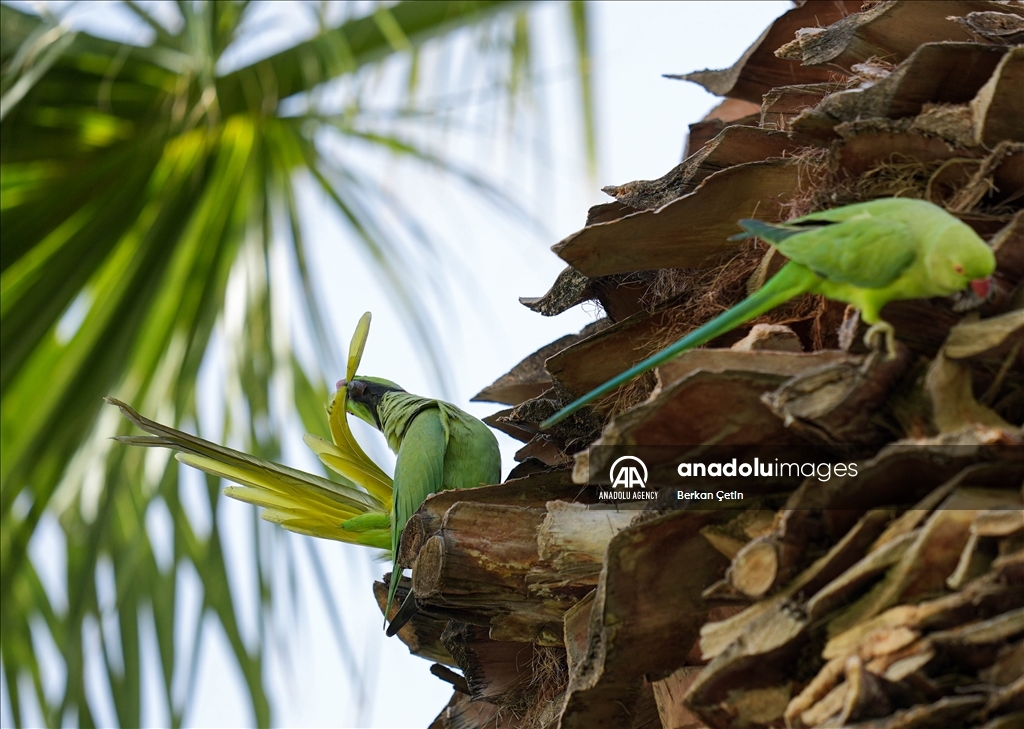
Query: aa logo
[{"x": 628, "y": 472}]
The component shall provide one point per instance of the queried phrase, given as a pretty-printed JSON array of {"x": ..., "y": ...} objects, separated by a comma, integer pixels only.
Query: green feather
[
  {"x": 438, "y": 447},
  {"x": 792, "y": 280},
  {"x": 419, "y": 472}
]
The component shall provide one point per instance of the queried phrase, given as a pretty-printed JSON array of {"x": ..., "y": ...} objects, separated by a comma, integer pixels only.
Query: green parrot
[
  {"x": 866, "y": 255},
  {"x": 438, "y": 447}
]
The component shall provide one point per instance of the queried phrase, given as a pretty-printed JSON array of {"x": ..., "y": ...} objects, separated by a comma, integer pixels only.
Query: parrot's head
[
  {"x": 963, "y": 259},
  {"x": 364, "y": 394}
]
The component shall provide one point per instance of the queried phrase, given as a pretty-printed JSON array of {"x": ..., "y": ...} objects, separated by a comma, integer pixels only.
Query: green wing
[
  {"x": 473, "y": 457},
  {"x": 861, "y": 251},
  {"x": 419, "y": 469},
  {"x": 419, "y": 472}
]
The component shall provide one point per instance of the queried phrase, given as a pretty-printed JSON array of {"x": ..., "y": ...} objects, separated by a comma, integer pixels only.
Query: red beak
[
  {"x": 341, "y": 383},
  {"x": 982, "y": 287}
]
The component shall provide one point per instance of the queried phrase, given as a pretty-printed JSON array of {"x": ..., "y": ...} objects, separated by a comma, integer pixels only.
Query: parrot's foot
[{"x": 886, "y": 331}]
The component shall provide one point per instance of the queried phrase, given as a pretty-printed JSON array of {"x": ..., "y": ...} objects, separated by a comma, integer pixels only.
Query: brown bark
[
  {"x": 760, "y": 69},
  {"x": 422, "y": 634}
]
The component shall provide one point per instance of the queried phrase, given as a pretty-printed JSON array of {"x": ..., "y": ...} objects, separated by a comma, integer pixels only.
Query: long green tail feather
[
  {"x": 792, "y": 280},
  {"x": 770, "y": 232},
  {"x": 396, "y": 576}
]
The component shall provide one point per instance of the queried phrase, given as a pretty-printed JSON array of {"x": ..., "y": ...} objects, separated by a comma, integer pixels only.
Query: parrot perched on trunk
[
  {"x": 866, "y": 255},
  {"x": 438, "y": 447}
]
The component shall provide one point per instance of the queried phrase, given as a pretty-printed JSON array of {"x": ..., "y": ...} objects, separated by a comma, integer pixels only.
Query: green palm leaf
[{"x": 137, "y": 185}]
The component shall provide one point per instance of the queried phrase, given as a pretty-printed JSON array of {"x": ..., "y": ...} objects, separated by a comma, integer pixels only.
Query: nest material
[
  {"x": 960, "y": 184},
  {"x": 532, "y": 703}
]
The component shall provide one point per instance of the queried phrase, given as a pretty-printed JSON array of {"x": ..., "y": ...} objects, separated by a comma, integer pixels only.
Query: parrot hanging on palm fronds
[
  {"x": 866, "y": 255},
  {"x": 438, "y": 447}
]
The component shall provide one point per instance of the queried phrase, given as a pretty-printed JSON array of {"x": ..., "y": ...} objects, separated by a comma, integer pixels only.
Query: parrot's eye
[
  {"x": 959, "y": 269},
  {"x": 356, "y": 389}
]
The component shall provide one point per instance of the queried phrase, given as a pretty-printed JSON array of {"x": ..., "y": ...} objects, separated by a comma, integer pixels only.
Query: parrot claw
[{"x": 886, "y": 331}]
